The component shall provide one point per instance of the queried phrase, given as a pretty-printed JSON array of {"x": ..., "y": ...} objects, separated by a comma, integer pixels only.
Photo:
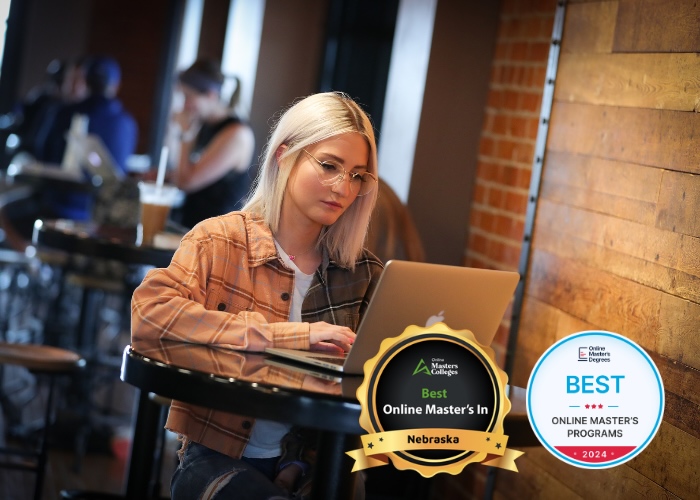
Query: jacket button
[
  {"x": 221, "y": 307},
  {"x": 285, "y": 296},
  {"x": 246, "y": 424}
]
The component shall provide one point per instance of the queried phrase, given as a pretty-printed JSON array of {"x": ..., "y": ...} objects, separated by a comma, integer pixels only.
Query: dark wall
[{"x": 359, "y": 38}]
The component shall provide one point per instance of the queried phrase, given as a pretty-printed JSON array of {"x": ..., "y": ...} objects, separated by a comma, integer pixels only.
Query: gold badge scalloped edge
[{"x": 416, "y": 331}]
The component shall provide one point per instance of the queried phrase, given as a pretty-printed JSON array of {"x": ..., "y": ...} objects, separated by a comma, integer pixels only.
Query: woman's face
[
  {"x": 306, "y": 199},
  {"x": 197, "y": 103}
]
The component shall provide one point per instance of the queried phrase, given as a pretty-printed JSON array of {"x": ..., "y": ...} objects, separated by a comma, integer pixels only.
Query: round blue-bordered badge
[{"x": 595, "y": 399}]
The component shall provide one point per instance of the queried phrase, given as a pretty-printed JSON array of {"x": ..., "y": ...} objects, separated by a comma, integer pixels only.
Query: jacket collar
[{"x": 262, "y": 249}]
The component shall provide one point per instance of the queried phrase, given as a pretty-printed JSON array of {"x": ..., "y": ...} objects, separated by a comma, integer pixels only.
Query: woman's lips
[{"x": 333, "y": 204}]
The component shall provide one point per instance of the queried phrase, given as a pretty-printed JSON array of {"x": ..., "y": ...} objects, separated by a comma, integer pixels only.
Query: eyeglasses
[{"x": 330, "y": 174}]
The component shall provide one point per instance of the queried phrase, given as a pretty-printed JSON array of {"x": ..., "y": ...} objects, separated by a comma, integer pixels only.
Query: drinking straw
[{"x": 161, "y": 167}]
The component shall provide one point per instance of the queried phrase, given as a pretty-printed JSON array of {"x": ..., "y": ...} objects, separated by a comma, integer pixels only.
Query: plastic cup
[{"x": 155, "y": 203}]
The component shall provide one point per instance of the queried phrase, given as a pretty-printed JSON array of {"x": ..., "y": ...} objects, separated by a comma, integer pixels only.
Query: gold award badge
[{"x": 433, "y": 400}]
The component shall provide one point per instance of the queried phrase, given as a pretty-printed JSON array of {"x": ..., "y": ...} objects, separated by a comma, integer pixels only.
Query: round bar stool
[{"x": 50, "y": 361}]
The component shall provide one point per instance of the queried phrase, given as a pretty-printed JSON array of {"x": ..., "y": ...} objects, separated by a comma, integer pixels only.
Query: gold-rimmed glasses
[{"x": 330, "y": 173}]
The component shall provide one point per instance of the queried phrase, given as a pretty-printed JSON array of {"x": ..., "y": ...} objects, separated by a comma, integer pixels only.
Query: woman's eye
[{"x": 329, "y": 167}]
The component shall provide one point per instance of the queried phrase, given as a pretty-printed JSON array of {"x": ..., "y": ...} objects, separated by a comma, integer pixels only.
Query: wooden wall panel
[
  {"x": 616, "y": 239},
  {"x": 589, "y": 28},
  {"x": 624, "y": 190},
  {"x": 616, "y": 482},
  {"x": 660, "y": 81},
  {"x": 666, "y": 139},
  {"x": 671, "y": 459},
  {"x": 679, "y": 200},
  {"x": 553, "y": 235},
  {"x": 657, "y": 26}
]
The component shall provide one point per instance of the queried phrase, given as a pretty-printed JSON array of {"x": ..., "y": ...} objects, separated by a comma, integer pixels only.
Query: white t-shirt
[{"x": 265, "y": 439}]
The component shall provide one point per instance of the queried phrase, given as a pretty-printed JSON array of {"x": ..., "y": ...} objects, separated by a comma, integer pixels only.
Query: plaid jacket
[{"x": 227, "y": 286}]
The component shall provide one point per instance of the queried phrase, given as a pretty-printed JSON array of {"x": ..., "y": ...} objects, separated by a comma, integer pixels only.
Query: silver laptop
[{"x": 416, "y": 293}]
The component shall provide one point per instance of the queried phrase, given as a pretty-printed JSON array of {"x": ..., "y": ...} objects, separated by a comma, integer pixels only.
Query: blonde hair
[{"x": 308, "y": 121}]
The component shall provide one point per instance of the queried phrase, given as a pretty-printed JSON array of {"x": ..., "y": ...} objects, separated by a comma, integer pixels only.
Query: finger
[{"x": 328, "y": 347}]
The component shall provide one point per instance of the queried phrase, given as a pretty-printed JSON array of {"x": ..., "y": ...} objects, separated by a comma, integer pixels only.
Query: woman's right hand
[{"x": 326, "y": 337}]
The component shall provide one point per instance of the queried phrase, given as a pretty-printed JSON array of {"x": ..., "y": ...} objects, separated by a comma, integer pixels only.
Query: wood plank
[
  {"x": 589, "y": 28},
  {"x": 572, "y": 237},
  {"x": 679, "y": 203},
  {"x": 656, "y": 321},
  {"x": 683, "y": 414},
  {"x": 671, "y": 459},
  {"x": 657, "y": 26},
  {"x": 678, "y": 335},
  {"x": 659, "y": 81},
  {"x": 616, "y": 482},
  {"x": 658, "y": 246},
  {"x": 626, "y": 190},
  {"x": 657, "y": 138},
  {"x": 532, "y": 481},
  {"x": 681, "y": 379}
]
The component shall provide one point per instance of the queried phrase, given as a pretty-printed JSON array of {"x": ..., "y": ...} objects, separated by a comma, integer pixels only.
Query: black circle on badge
[{"x": 447, "y": 379}]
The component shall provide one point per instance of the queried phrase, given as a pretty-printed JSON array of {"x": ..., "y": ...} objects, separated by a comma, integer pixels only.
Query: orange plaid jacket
[{"x": 227, "y": 286}]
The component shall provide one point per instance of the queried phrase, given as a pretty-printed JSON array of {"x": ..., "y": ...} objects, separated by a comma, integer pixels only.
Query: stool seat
[
  {"x": 40, "y": 357},
  {"x": 51, "y": 362}
]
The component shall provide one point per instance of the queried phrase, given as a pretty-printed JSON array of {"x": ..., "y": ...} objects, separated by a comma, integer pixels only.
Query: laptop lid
[{"x": 416, "y": 293}]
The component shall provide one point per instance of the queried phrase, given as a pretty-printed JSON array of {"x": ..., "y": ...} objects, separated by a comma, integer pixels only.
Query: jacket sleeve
[{"x": 171, "y": 303}]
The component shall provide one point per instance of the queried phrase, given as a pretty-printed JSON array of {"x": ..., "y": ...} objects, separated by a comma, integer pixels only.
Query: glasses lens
[{"x": 366, "y": 184}]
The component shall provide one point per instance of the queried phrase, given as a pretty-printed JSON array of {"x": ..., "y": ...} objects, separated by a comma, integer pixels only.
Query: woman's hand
[{"x": 326, "y": 337}]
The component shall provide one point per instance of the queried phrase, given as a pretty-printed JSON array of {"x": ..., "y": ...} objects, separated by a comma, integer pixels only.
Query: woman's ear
[{"x": 280, "y": 151}]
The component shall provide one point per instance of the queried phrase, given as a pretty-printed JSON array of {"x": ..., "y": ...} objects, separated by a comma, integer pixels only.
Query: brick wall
[
  {"x": 508, "y": 140},
  {"x": 504, "y": 166}
]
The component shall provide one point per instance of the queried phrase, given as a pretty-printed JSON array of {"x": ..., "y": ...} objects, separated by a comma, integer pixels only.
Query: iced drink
[{"x": 155, "y": 204}]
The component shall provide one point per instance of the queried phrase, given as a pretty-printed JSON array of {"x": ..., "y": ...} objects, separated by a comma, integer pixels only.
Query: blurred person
[
  {"x": 107, "y": 119},
  {"x": 392, "y": 231},
  {"x": 106, "y": 115},
  {"x": 301, "y": 232},
  {"x": 213, "y": 147},
  {"x": 64, "y": 84}
]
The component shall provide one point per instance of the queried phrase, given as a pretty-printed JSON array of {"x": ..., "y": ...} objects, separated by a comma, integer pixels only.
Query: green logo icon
[{"x": 422, "y": 368}]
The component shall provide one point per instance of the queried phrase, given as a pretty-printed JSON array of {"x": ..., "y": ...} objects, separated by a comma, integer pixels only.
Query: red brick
[
  {"x": 515, "y": 202},
  {"x": 500, "y": 125},
  {"x": 524, "y": 179},
  {"x": 538, "y": 51},
  {"x": 537, "y": 78},
  {"x": 517, "y": 230},
  {"x": 495, "y": 197},
  {"x": 523, "y": 153},
  {"x": 502, "y": 225},
  {"x": 519, "y": 51},
  {"x": 510, "y": 255},
  {"x": 495, "y": 99},
  {"x": 510, "y": 176},
  {"x": 544, "y": 6},
  {"x": 511, "y": 100},
  {"x": 530, "y": 101},
  {"x": 533, "y": 125},
  {"x": 518, "y": 126},
  {"x": 478, "y": 243},
  {"x": 486, "y": 146}
]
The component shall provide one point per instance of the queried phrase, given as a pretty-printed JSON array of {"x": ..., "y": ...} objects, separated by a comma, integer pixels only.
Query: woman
[
  {"x": 288, "y": 270},
  {"x": 215, "y": 146}
]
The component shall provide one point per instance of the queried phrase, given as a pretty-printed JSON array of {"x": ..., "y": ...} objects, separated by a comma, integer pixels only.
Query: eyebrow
[{"x": 338, "y": 159}]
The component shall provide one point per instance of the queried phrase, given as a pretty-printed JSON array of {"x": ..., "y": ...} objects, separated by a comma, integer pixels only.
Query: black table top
[
  {"x": 98, "y": 240},
  {"x": 244, "y": 383},
  {"x": 260, "y": 386}
]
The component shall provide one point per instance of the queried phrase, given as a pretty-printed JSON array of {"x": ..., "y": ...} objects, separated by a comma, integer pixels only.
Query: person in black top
[{"x": 213, "y": 148}]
